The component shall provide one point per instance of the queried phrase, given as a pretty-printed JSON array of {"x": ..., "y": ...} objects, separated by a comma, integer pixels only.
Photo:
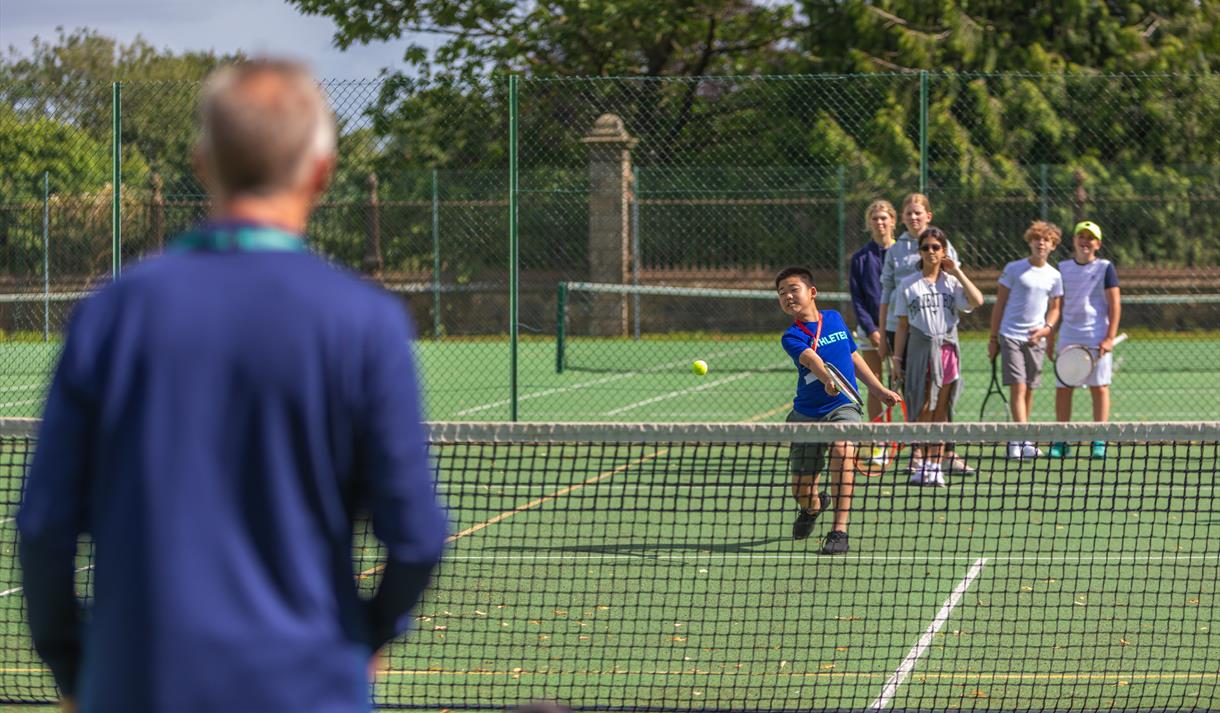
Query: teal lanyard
[{"x": 246, "y": 238}]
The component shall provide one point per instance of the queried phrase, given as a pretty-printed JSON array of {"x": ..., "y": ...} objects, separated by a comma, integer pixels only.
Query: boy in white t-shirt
[
  {"x": 1091, "y": 310},
  {"x": 1026, "y": 311}
]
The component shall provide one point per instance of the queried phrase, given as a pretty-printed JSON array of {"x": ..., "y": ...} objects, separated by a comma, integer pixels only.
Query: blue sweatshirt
[
  {"x": 864, "y": 280},
  {"x": 218, "y": 418}
]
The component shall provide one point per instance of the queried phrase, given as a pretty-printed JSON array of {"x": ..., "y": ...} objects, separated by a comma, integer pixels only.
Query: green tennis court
[
  {"x": 664, "y": 576},
  {"x": 1159, "y": 377}
]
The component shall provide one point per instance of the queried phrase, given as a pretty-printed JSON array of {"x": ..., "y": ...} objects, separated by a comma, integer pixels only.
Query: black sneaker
[
  {"x": 804, "y": 521},
  {"x": 836, "y": 543}
]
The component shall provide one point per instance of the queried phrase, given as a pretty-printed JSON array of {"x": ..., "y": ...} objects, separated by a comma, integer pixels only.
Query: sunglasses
[{"x": 930, "y": 248}]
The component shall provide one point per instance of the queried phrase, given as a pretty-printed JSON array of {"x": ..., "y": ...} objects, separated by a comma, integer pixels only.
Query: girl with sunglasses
[
  {"x": 901, "y": 264},
  {"x": 927, "y": 357}
]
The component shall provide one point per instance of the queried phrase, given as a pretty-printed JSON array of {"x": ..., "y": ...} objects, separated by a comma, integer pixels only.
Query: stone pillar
[{"x": 609, "y": 220}]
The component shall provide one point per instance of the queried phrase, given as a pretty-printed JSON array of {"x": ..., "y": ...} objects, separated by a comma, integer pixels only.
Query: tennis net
[{"x": 652, "y": 567}]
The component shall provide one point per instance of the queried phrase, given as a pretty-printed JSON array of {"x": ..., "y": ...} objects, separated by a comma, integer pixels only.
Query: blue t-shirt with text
[{"x": 835, "y": 346}]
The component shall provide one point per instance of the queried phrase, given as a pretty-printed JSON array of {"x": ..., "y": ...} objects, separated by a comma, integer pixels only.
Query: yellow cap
[{"x": 1088, "y": 226}]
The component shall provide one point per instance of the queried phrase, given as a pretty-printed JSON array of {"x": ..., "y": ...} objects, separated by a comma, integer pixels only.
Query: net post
[{"x": 561, "y": 311}]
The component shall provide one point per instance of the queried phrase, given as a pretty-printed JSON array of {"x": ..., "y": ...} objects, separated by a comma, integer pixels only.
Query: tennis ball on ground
[{"x": 699, "y": 367}]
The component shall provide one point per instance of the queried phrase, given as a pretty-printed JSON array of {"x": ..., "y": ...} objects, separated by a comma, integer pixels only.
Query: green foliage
[
  {"x": 30, "y": 147},
  {"x": 1019, "y": 97},
  {"x": 572, "y": 37},
  {"x": 70, "y": 78}
]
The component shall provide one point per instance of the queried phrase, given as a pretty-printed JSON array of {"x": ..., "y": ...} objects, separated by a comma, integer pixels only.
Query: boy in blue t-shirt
[{"x": 815, "y": 338}]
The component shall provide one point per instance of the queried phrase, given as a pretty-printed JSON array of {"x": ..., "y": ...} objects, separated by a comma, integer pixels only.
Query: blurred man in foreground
[{"x": 218, "y": 418}]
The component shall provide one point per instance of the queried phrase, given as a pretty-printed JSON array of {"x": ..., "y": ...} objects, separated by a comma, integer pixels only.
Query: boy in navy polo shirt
[{"x": 816, "y": 337}]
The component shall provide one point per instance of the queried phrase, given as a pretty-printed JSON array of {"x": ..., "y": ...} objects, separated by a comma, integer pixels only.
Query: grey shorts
[
  {"x": 810, "y": 458},
  {"x": 1021, "y": 361}
]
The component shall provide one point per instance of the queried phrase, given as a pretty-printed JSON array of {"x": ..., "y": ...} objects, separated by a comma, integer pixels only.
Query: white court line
[
  {"x": 20, "y": 403},
  {"x": 586, "y": 384},
  {"x": 27, "y": 387},
  {"x": 679, "y": 392},
  {"x": 912, "y": 559},
  {"x": 14, "y": 590},
  {"x": 548, "y": 392},
  {"x": 7, "y": 520},
  {"x": 904, "y": 669}
]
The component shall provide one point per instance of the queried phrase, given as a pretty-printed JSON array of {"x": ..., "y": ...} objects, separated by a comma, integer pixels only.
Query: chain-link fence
[{"x": 650, "y": 218}]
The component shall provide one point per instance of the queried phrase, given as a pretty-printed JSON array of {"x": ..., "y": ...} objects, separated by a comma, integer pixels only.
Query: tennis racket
[
  {"x": 844, "y": 386},
  {"x": 1075, "y": 364},
  {"x": 995, "y": 403}
]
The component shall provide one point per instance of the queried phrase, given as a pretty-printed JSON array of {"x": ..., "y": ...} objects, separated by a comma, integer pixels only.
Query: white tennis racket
[
  {"x": 1075, "y": 364},
  {"x": 840, "y": 382},
  {"x": 845, "y": 386}
]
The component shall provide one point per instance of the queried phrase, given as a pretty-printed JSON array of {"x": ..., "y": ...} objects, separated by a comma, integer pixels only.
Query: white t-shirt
[
  {"x": 1086, "y": 314},
  {"x": 1030, "y": 290},
  {"x": 901, "y": 261},
  {"x": 931, "y": 307}
]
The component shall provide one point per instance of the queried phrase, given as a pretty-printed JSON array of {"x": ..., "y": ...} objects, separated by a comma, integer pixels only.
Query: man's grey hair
[{"x": 262, "y": 124}]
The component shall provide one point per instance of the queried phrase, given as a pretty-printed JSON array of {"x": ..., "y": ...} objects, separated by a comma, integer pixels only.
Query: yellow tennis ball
[{"x": 699, "y": 367}]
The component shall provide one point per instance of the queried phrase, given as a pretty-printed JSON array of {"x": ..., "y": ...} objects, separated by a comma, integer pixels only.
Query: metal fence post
[
  {"x": 116, "y": 192},
  {"x": 1043, "y": 189},
  {"x": 46, "y": 256},
  {"x": 561, "y": 321},
  {"x": 512, "y": 247},
  {"x": 373, "y": 263},
  {"x": 923, "y": 131},
  {"x": 841, "y": 205},
  {"x": 635, "y": 249},
  {"x": 436, "y": 259}
]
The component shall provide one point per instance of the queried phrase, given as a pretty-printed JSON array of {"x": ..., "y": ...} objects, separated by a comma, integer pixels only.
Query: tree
[
  {"x": 1000, "y": 36},
  {"x": 71, "y": 79},
  {"x": 572, "y": 37}
]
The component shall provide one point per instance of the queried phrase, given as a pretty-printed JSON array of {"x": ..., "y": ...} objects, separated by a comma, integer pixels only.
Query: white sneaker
[
  {"x": 917, "y": 474},
  {"x": 1023, "y": 449},
  {"x": 933, "y": 475}
]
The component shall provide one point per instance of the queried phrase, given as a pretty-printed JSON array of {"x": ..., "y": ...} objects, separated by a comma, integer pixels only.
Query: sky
[{"x": 255, "y": 26}]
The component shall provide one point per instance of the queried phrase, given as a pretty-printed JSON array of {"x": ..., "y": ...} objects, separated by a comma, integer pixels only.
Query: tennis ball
[{"x": 699, "y": 367}]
